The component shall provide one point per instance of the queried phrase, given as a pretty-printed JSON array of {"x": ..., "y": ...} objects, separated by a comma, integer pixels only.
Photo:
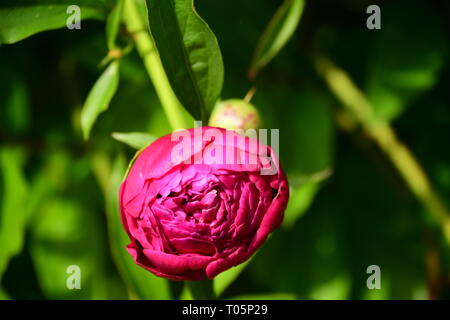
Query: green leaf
[
  {"x": 4, "y": 295},
  {"x": 190, "y": 54},
  {"x": 13, "y": 205},
  {"x": 113, "y": 24},
  {"x": 266, "y": 296},
  {"x": 141, "y": 283},
  {"x": 99, "y": 98},
  {"x": 136, "y": 140},
  {"x": 67, "y": 229},
  {"x": 21, "y": 19},
  {"x": 186, "y": 294},
  {"x": 278, "y": 32},
  {"x": 302, "y": 193},
  {"x": 337, "y": 288},
  {"x": 62, "y": 236},
  {"x": 225, "y": 279},
  {"x": 17, "y": 106},
  {"x": 405, "y": 64}
]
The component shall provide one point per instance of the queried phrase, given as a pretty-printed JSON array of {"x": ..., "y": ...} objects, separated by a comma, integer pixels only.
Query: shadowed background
[{"x": 351, "y": 204}]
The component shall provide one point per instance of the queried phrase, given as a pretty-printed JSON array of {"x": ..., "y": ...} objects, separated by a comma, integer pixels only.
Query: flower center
[{"x": 193, "y": 205}]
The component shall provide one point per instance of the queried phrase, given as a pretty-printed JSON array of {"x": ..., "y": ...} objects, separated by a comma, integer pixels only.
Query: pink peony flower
[{"x": 200, "y": 201}]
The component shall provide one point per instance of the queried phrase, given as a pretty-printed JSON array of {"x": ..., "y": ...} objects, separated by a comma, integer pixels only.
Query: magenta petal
[
  {"x": 175, "y": 264},
  {"x": 191, "y": 245},
  {"x": 187, "y": 218}
]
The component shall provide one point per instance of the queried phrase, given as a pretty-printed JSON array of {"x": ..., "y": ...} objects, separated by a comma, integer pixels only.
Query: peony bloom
[{"x": 200, "y": 201}]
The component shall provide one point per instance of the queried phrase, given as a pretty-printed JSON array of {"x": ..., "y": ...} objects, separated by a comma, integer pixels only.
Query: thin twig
[
  {"x": 147, "y": 50},
  {"x": 384, "y": 136},
  {"x": 248, "y": 97}
]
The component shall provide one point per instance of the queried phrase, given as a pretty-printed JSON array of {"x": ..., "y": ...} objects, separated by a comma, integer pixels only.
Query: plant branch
[
  {"x": 354, "y": 101},
  {"x": 137, "y": 26}
]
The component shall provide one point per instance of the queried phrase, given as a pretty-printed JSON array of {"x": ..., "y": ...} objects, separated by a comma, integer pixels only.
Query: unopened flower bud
[{"x": 235, "y": 114}]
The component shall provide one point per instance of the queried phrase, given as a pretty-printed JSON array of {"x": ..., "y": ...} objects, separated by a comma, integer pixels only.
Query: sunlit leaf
[
  {"x": 278, "y": 32},
  {"x": 3, "y": 295},
  {"x": 13, "y": 208},
  {"x": 189, "y": 52},
  {"x": 20, "y": 19},
  {"x": 136, "y": 140},
  {"x": 99, "y": 98},
  {"x": 336, "y": 289},
  {"x": 186, "y": 294},
  {"x": 140, "y": 282}
]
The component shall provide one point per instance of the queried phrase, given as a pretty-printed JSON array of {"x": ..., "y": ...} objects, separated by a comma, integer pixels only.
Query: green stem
[
  {"x": 135, "y": 20},
  {"x": 354, "y": 101},
  {"x": 201, "y": 290}
]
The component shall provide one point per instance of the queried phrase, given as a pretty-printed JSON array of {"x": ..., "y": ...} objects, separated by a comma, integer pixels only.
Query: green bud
[{"x": 235, "y": 114}]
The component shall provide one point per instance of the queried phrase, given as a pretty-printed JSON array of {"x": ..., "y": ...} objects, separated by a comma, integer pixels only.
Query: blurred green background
[{"x": 351, "y": 205}]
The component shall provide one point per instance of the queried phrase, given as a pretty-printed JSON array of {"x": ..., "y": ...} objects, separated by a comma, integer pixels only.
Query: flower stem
[
  {"x": 136, "y": 22},
  {"x": 201, "y": 290}
]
